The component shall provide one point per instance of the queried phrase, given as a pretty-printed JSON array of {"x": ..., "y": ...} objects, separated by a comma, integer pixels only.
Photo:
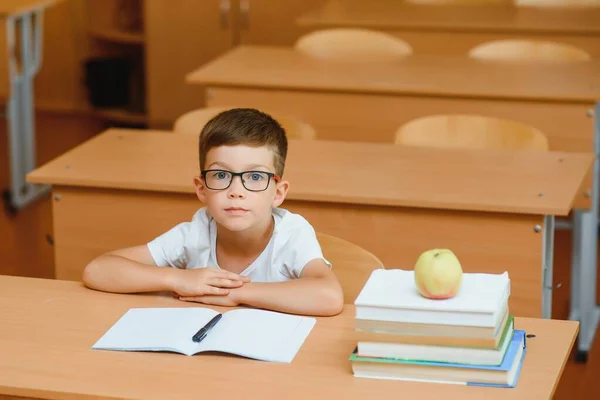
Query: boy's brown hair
[{"x": 245, "y": 126}]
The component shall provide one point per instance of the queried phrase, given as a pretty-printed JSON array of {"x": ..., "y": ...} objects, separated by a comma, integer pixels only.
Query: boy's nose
[{"x": 237, "y": 189}]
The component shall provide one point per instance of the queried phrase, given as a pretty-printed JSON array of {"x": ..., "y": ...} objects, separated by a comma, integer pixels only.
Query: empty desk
[
  {"x": 452, "y": 29},
  {"x": 21, "y": 23}
]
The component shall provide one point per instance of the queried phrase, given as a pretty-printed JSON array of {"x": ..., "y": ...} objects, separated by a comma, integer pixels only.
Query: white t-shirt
[{"x": 193, "y": 245}]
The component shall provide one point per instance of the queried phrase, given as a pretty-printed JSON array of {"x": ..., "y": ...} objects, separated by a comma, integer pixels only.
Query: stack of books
[{"x": 468, "y": 339}]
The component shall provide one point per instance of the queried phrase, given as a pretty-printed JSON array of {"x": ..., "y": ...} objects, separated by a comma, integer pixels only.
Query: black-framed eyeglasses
[{"x": 253, "y": 181}]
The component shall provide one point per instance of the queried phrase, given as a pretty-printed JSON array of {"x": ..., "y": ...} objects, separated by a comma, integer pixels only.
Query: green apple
[{"x": 438, "y": 274}]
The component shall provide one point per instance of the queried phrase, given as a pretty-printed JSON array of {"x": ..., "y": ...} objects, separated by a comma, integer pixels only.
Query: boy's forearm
[
  {"x": 308, "y": 296},
  {"x": 112, "y": 273}
]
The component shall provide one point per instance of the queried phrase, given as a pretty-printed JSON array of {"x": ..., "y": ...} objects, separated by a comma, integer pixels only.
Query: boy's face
[{"x": 236, "y": 208}]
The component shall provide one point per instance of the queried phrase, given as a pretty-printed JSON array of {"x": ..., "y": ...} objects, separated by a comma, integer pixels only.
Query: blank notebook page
[
  {"x": 258, "y": 334},
  {"x": 156, "y": 329},
  {"x": 395, "y": 288}
]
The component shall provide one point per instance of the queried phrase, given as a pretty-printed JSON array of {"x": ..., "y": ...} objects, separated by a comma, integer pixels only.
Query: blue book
[{"x": 504, "y": 375}]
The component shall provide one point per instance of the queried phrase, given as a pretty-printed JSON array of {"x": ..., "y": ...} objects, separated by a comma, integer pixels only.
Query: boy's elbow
[
  {"x": 333, "y": 301},
  {"x": 90, "y": 273}
]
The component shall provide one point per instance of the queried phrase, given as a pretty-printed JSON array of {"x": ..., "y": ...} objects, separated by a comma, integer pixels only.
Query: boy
[{"x": 240, "y": 248}]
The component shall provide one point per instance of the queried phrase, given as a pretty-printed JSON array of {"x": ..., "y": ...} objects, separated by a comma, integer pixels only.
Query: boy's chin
[{"x": 236, "y": 224}]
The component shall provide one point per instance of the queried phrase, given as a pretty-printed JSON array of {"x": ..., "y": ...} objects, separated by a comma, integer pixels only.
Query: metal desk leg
[
  {"x": 584, "y": 262},
  {"x": 20, "y": 110},
  {"x": 547, "y": 265}
]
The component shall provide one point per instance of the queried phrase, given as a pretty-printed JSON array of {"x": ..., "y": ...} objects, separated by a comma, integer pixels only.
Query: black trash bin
[{"x": 108, "y": 81}]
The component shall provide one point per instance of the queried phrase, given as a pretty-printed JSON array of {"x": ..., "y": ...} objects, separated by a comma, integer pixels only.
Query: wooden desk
[
  {"x": 13, "y": 8},
  {"x": 448, "y": 29},
  {"x": 19, "y": 7},
  {"x": 21, "y": 37},
  {"x": 49, "y": 327},
  {"x": 126, "y": 187},
  {"x": 368, "y": 102}
]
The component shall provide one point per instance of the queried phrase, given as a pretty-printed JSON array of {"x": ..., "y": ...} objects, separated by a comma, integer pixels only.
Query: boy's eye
[
  {"x": 256, "y": 176},
  {"x": 220, "y": 175}
]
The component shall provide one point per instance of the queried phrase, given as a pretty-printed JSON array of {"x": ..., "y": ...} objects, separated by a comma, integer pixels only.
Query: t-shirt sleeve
[
  {"x": 168, "y": 249},
  {"x": 301, "y": 248}
]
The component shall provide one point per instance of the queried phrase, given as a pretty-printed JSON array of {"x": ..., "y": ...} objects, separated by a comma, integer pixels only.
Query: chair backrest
[
  {"x": 193, "y": 121},
  {"x": 353, "y": 44},
  {"x": 471, "y": 132},
  {"x": 558, "y": 4},
  {"x": 528, "y": 50},
  {"x": 352, "y": 264}
]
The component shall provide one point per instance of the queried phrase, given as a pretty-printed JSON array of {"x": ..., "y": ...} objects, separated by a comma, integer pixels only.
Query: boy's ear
[
  {"x": 280, "y": 193},
  {"x": 200, "y": 188}
]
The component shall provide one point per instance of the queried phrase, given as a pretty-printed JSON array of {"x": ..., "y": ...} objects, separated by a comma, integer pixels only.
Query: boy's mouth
[{"x": 236, "y": 210}]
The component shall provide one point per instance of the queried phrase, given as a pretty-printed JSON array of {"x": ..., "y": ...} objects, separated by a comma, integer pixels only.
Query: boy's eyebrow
[
  {"x": 257, "y": 166},
  {"x": 247, "y": 168},
  {"x": 219, "y": 164}
]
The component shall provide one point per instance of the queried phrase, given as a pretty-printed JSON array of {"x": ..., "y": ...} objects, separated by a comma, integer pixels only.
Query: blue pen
[{"x": 201, "y": 334}]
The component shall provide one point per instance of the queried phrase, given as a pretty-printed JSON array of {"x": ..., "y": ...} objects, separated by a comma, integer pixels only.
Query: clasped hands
[{"x": 209, "y": 286}]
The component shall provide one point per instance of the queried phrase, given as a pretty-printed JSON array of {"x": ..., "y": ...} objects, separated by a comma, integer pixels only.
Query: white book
[
  {"x": 442, "y": 354},
  {"x": 258, "y": 334},
  {"x": 391, "y": 295}
]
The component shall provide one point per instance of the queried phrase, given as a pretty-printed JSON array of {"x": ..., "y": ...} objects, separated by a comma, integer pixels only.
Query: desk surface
[
  {"x": 330, "y": 171},
  {"x": 274, "y": 67},
  {"x": 49, "y": 327},
  {"x": 396, "y": 15},
  {"x": 16, "y": 7}
]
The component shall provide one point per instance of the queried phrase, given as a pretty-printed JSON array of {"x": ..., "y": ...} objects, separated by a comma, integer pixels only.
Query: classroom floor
[{"x": 26, "y": 249}]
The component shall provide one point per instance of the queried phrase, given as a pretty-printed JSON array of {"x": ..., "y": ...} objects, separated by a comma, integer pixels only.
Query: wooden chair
[
  {"x": 192, "y": 123},
  {"x": 528, "y": 50},
  {"x": 352, "y": 264},
  {"x": 353, "y": 44},
  {"x": 471, "y": 132}
]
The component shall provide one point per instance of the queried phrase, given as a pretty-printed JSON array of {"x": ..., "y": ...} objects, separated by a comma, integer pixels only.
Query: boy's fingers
[
  {"x": 190, "y": 299},
  {"x": 211, "y": 300},
  {"x": 233, "y": 276},
  {"x": 217, "y": 290},
  {"x": 226, "y": 283}
]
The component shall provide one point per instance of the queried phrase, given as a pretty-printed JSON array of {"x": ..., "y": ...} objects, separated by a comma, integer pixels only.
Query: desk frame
[
  {"x": 20, "y": 108},
  {"x": 584, "y": 263}
]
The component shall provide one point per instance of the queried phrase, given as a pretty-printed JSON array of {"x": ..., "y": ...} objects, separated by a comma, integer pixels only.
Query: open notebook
[{"x": 258, "y": 334}]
